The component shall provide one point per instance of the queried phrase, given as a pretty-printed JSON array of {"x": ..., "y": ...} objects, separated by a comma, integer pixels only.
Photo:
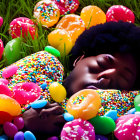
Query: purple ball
[
  {"x": 19, "y": 136},
  {"x": 10, "y": 129},
  {"x": 19, "y": 122},
  {"x": 53, "y": 138}
]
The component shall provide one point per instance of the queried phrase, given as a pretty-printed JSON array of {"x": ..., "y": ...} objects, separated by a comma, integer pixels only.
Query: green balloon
[
  {"x": 137, "y": 102},
  {"x": 12, "y": 51},
  {"x": 103, "y": 125},
  {"x": 52, "y": 50}
]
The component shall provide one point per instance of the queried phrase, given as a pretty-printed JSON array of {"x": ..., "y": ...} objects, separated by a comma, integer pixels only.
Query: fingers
[{"x": 60, "y": 121}]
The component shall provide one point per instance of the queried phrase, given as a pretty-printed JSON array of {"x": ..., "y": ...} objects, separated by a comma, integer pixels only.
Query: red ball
[{"x": 120, "y": 12}]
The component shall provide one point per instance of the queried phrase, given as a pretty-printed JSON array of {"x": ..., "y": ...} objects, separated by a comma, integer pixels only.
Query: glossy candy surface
[
  {"x": 5, "y": 90},
  {"x": 1, "y": 48},
  {"x": 84, "y": 104},
  {"x": 1, "y": 21},
  {"x": 52, "y": 50},
  {"x": 39, "y": 104},
  {"x": 137, "y": 102},
  {"x": 29, "y": 136}
]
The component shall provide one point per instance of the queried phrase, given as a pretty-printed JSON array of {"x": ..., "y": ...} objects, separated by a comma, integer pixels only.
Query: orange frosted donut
[
  {"x": 73, "y": 24},
  {"x": 47, "y": 13},
  {"x": 92, "y": 15},
  {"x": 84, "y": 104}
]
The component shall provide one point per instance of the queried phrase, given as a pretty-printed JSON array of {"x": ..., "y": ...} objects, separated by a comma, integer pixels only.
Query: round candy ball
[
  {"x": 92, "y": 15},
  {"x": 1, "y": 48},
  {"x": 78, "y": 129},
  {"x": 84, "y": 104},
  {"x": 10, "y": 129},
  {"x": 19, "y": 136},
  {"x": 1, "y": 21},
  {"x": 57, "y": 92},
  {"x": 120, "y": 12},
  {"x": 22, "y": 25},
  {"x": 19, "y": 122}
]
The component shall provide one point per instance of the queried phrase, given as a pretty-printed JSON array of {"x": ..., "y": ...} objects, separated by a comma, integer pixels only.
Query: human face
[{"x": 104, "y": 71}]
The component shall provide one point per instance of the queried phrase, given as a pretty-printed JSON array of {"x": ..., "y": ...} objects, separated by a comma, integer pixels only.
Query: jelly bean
[
  {"x": 10, "y": 129},
  {"x": 39, "y": 104},
  {"x": 28, "y": 135},
  {"x": 12, "y": 50},
  {"x": 57, "y": 92},
  {"x": 68, "y": 117},
  {"x": 19, "y": 136},
  {"x": 92, "y": 15},
  {"x": 137, "y": 102},
  {"x": 103, "y": 125},
  {"x": 112, "y": 114},
  {"x": 62, "y": 42},
  {"x": 43, "y": 86},
  {"x": 53, "y": 138},
  {"x": 52, "y": 50},
  {"x": 1, "y": 48},
  {"x": 3, "y": 137},
  {"x": 84, "y": 104},
  {"x": 1, "y": 21},
  {"x": 131, "y": 111},
  {"x": 5, "y": 117},
  {"x": 9, "y": 105},
  {"x": 100, "y": 137},
  {"x": 19, "y": 122}
]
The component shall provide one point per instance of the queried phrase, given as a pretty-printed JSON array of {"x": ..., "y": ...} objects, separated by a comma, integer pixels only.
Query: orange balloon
[
  {"x": 92, "y": 15},
  {"x": 73, "y": 24},
  {"x": 84, "y": 104}
]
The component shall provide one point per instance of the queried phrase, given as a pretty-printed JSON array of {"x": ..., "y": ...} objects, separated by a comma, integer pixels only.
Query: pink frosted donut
[
  {"x": 26, "y": 92},
  {"x": 24, "y": 25},
  {"x": 127, "y": 127},
  {"x": 1, "y": 48},
  {"x": 5, "y": 90},
  {"x": 4, "y": 81},
  {"x": 78, "y": 129},
  {"x": 120, "y": 12},
  {"x": 9, "y": 71},
  {"x": 67, "y": 6}
]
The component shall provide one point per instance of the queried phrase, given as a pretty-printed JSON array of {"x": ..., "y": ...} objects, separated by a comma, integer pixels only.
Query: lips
[{"x": 91, "y": 87}]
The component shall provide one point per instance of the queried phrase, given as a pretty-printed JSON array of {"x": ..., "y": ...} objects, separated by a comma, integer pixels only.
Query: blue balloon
[
  {"x": 39, "y": 104},
  {"x": 68, "y": 117},
  {"x": 29, "y": 136},
  {"x": 112, "y": 114}
]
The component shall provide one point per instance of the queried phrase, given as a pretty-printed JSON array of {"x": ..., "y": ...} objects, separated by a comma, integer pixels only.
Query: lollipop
[
  {"x": 47, "y": 13},
  {"x": 120, "y": 12},
  {"x": 1, "y": 48},
  {"x": 22, "y": 25},
  {"x": 92, "y": 15}
]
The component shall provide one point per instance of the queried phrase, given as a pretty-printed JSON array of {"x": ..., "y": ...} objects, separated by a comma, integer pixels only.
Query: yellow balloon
[{"x": 57, "y": 92}]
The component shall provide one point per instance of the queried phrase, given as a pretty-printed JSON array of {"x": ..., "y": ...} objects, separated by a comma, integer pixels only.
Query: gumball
[
  {"x": 67, "y": 6},
  {"x": 9, "y": 105},
  {"x": 4, "y": 81},
  {"x": 78, "y": 129},
  {"x": 19, "y": 136},
  {"x": 1, "y": 21},
  {"x": 84, "y": 104},
  {"x": 9, "y": 71},
  {"x": 1, "y": 48},
  {"x": 52, "y": 50},
  {"x": 73, "y": 24},
  {"x": 22, "y": 25},
  {"x": 137, "y": 102},
  {"x": 19, "y": 122},
  {"x": 5, "y": 117},
  {"x": 92, "y": 15},
  {"x": 57, "y": 92},
  {"x": 26, "y": 92},
  {"x": 47, "y": 13},
  {"x": 120, "y": 12},
  {"x": 63, "y": 41},
  {"x": 10, "y": 129},
  {"x": 12, "y": 51},
  {"x": 127, "y": 127},
  {"x": 29, "y": 136}
]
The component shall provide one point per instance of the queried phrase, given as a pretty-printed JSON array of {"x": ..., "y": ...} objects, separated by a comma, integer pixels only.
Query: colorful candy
[
  {"x": 53, "y": 138},
  {"x": 52, "y": 50},
  {"x": 92, "y": 15},
  {"x": 22, "y": 25},
  {"x": 39, "y": 104},
  {"x": 112, "y": 114},
  {"x": 137, "y": 102},
  {"x": 68, "y": 117},
  {"x": 78, "y": 129},
  {"x": 103, "y": 125},
  {"x": 29, "y": 136},
  {"x": 19, "y": 122},
  {"x": 84, "y": 104},
  {"x": 5, "y": 90},
  {"x": 9, "y": 105},
  {"x": 57, "y": 92},
  {"x": 5, "y": 117},
  {"x": 1, "y": 49},
  {"x": 67, "y": 6},
  {"x": 1, "y": 21},
  {"x": 19, "y": 136},
  {"x": 120, "y": 12},
  {"x": 26, "y": 92},
  {"x": 73, "y": 24},
  {"x": 127, "y": 127},
  {"x": 4, "y": 81},
  {"x": 9, "y": 71},
  {"x": 47, "y": 13},
  {"x": 63, "y": 41},
  {"x": 12, "y": 51}
]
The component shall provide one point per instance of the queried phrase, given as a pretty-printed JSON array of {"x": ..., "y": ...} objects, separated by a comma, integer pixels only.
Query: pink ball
[
  {"x": 19, "y": 122},
  {"x": 26, "y": 92},
  {"x": 120, "y": 12},
  {"x": 4, "y": 81},
  {"x": 127, "y": 127},
  {"x": 1, "y": 21},
  {"x": 9, "y": 71},
  {"x": 78, "y": 129},
  {"x": 5, "y": 90},
  {"x": 24, "y": 25},
  {"x": 1, "y": 48},
  {"x": 10, "y": 129}
]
